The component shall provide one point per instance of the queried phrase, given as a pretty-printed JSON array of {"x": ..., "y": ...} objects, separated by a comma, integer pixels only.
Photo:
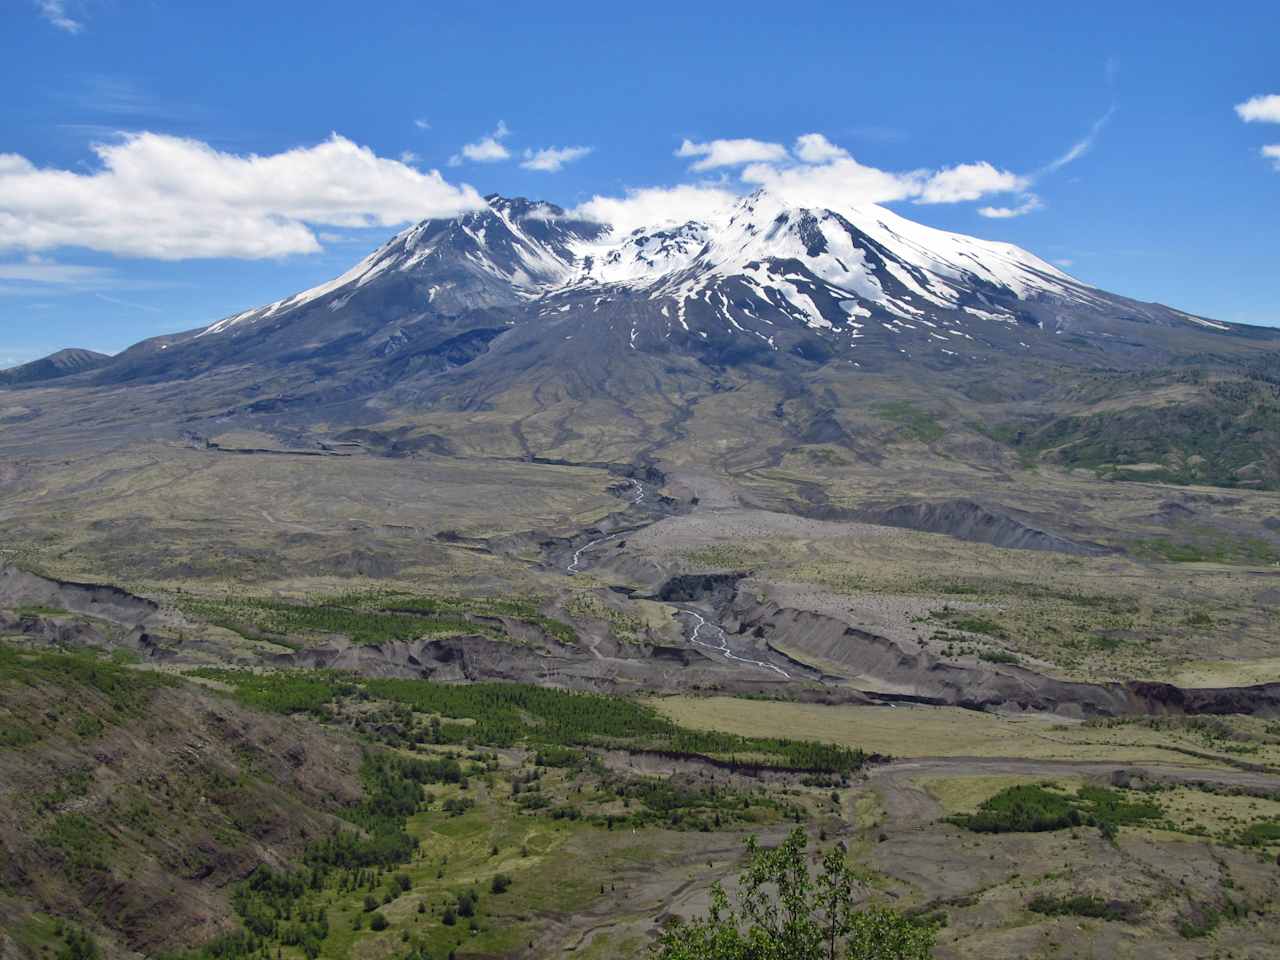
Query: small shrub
[
  {"x": 1081, "y": 905},
  {"x": 1024, "y": 808},
  {"x": 466, "y": 905},
  {"x": 1261, "y": 834}
]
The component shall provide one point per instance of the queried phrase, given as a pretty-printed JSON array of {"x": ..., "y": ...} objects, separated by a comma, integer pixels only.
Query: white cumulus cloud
[
  {"x": 552, "y": 159},
  {"x": 485, "y": 150},
  {"x": 842, "y": 182},
  {"x": 815, "y": 148},
  {"x": 969, "y": 181},
  {"x": 731, "y": 153},
  {"x": 656, "y": 206},
  {"x": 1263, "y": 109},
  {"x": 1260, "y": 109},
  {"x": 172, "y": 198},
  {"x": 821, "y": 175}
]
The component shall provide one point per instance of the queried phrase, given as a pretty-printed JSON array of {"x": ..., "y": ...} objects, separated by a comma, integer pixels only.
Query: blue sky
[{"x": 130, "y": 205}]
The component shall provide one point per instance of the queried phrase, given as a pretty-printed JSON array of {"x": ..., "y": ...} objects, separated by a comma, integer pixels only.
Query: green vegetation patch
[
  {"x": 1036, "y": 808},
  {"x": 1081, "y": 905},
  {"x": 1027, "y": 590},
  {"x": 35, "y": 610},
  {"x": 287, "y": 908},
  {"x": 998, "y": 656},
  {"x": 1212, "y": 548},
  {"x": 1223, "y": 436},
  {"x": 521, "y": 609},
  {"x": 1263, "y": 834},
  {"x": 82, "y": 843},
  {"x": 1203, "y": 919},
  {"x": 786, "y": 910},
  {"x": 371, "y": 618},
  {"x": 915, "y": 424},
  {"x": 290, "y": 691},
  {"x": 16, "y": 733},
  {"x": 125, "y": 692},
  {"x": 507, "y": 714}
]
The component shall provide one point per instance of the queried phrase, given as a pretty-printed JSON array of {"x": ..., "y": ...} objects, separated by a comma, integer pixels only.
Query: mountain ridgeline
[
  {"x": 64, "y": 363},
  {"x": 498, "y": 310}
]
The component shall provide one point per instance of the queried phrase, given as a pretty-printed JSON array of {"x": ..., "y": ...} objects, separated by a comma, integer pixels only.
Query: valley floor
[{"x": 546, "y": 703}]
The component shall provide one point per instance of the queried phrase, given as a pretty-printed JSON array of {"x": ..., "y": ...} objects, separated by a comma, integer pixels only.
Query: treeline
[
  {"x": 263, "y": 618},
  {"x": 291, "y": 691},
  {"x": 507, "y": 714}
]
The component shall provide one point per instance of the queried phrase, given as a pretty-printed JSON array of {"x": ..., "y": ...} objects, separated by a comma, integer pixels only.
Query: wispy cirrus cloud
[
  {"x": 1081, "y": 146},
  {"x": 101, "y": 105},
  {"x": 552, "y": 159},
  {"x": 55, "y": 11},
  {"x": 131, "y": 304},
  {"x": 36, "y": 269},
  {"x": 113, "y": 94}
]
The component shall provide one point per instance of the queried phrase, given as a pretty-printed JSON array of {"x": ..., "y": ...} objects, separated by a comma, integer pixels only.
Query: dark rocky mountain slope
[
  {"x": 522, "y": 313},
  {"x": 64, "y": 363}
]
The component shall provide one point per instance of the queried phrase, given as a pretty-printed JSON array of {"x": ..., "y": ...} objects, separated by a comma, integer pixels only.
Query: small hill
[{"x": 64, "y": 363}]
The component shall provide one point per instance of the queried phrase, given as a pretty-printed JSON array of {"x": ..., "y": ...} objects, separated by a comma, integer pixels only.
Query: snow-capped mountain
[
  {"x": 522, "y": 330},
  {"x": 516, "y": 250},
  {"x": 523, "y": 286},
  {"x": 762, "y": 270}
]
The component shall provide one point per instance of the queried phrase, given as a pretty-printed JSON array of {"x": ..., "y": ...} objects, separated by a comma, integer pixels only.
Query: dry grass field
[{"x": 923, "y": 731}]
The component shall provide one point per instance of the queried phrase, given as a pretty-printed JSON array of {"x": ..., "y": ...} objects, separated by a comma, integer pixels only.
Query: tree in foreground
[{"x": 784, "y": 912}]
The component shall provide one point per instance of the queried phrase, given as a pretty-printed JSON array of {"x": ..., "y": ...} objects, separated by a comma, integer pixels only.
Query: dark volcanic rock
[
  {"x": 882, "y": 669},
  {"x": 967, "y": 520},
  {"x": 21, "y": 588},
  {"x": 716, "y": 588}
]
